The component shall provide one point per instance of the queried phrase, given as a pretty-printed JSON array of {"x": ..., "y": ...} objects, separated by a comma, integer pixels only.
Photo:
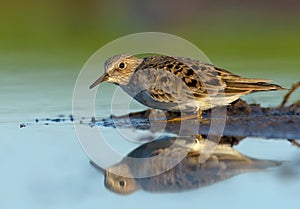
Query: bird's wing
[
  {"x": 218, "y": 81},
  {"x": 179, "y": 79},
  {"x": 160, "y": 85},
  {"x": 236, "y": 84}
]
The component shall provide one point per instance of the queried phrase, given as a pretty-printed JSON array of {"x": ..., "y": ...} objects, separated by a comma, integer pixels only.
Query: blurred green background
[{"x": 235, "y": 34}]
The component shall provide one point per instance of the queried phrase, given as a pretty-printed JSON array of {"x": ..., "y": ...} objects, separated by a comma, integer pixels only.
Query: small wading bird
[{"x": 178, "y": 84}]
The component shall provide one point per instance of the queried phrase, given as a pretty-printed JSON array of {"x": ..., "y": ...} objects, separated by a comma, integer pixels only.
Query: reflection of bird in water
[
  {"x": 224, "y": 163},
  {"x": 178, "y": 84}
]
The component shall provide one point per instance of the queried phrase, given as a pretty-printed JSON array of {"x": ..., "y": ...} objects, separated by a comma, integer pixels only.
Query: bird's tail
[
  {"x": 264, "y": 164},
  {"x": 252, "y": 85},
  {"x": 236, "y": 84}
]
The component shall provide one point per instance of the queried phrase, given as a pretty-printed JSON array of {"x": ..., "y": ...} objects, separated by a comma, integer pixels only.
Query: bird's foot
[{"x": 198, "y": 116}]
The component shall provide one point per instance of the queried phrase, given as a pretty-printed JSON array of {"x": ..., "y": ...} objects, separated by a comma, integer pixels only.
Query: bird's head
[
  {"x": 119, "y": 183},
  {"x": 118, "y": 69}
]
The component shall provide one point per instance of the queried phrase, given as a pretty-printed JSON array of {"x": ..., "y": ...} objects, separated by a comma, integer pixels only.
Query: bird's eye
[
  {"x": 122, "y": 183},
  {"x": 122, "y": 65}
]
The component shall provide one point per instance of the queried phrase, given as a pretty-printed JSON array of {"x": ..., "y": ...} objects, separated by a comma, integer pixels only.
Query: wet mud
[{"x": 242, "y": 120}]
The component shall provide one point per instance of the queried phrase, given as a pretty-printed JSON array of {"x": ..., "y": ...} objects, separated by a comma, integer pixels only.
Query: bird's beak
[{"x": 99, "y": 80}]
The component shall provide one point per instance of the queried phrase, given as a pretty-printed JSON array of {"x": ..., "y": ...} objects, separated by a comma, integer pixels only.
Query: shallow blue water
[{"x": 45, "y": 167}]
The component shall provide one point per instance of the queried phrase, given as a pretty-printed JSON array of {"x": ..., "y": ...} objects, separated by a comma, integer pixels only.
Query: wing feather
[{"x": 179, "y": 79}]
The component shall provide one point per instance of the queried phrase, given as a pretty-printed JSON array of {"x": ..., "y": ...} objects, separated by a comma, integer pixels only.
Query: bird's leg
[
  {"x": 198, "y": 115},
  {"x": 294, "y": 142},
  {"x": 195, "y": 149}
]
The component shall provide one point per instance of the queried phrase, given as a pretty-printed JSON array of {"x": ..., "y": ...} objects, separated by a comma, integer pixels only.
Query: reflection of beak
[
  {"x": 95, "y": 165},
  {"x": 99, "y": 80}
]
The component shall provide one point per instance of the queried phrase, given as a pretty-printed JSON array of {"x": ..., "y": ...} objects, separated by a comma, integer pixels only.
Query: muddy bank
[{"x": 242, "y": 120}]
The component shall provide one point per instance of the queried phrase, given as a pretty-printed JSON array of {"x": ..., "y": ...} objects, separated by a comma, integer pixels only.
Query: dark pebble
[
  {"x": 93, "y": 120},
  {"x": 56, "y": 120},
  {"x": 71, "y": 118}
]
